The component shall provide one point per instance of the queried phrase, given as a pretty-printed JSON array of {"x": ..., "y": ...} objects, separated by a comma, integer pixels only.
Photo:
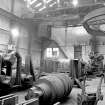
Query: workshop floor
[{"x": 91, "y": 87}]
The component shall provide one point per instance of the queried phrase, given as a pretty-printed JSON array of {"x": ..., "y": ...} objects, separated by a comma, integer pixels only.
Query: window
[
  {"x": 49, "y": 52},
  {"x": 55, "y": 52},
  {"x": 52, "y": 52}
]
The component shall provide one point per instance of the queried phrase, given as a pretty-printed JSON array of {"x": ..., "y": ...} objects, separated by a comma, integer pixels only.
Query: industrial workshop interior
[{"x": 52, "y": 52}]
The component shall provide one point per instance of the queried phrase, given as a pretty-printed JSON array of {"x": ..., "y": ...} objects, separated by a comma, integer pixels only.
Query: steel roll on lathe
[{"x": 51, "y": 88}]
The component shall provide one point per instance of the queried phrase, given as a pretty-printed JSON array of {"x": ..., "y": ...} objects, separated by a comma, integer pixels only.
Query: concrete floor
[{"x": 91, "y": 87}]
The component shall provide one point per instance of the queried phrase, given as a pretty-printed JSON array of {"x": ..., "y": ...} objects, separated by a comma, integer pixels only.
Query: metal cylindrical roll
[
  {"x": 67, "y": 83},
  {"x": 56, "y": 88},
  {"x": 53, "y": 87}
]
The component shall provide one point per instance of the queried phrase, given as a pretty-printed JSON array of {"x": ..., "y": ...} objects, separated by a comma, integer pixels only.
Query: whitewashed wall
[
  {"x": 25, "y": 31},
  {"x": 4, "y": 32},
  {"x": 19, "y": 7},
  {"x": 85, "y": 52},
  {"x": 74, "y": 36},
  {"x": 101, "y": 46}
]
